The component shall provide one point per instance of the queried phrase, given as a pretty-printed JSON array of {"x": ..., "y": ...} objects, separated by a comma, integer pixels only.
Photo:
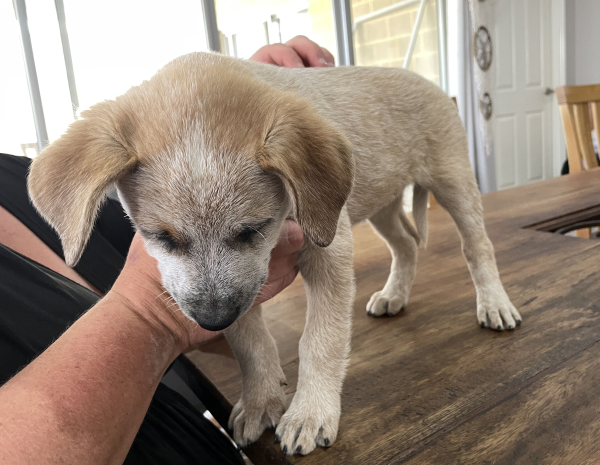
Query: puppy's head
[{"x": 208, "y": 165}]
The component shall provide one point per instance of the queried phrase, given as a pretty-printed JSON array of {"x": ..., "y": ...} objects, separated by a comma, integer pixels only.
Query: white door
[{"x": 522, "y": 105}]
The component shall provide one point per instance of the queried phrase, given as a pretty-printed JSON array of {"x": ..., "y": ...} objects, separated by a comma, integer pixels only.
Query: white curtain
[{"x": 466, "y": 88}]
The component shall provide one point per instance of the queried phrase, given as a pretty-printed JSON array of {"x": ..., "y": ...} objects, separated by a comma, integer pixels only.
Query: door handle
[{"x": 549, "y": 91}]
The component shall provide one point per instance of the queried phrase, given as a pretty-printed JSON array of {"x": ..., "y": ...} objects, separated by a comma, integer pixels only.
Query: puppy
[{"x": 212, "y": 154}]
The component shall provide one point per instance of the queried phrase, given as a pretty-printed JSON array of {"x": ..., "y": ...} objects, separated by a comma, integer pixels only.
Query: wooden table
[{"x": 430, "y": 386}]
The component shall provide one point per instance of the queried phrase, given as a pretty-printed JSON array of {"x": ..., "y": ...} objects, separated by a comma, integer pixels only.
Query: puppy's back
[{"x": 399, "y": 124}]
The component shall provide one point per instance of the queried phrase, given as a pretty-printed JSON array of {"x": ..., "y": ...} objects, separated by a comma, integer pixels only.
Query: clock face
[{"x": 482, "y": 48}]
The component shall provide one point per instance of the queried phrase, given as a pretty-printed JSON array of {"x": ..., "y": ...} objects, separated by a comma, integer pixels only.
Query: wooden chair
[
  {"x": 580, "y": 110},
  {"x": 577, "y": 104}
]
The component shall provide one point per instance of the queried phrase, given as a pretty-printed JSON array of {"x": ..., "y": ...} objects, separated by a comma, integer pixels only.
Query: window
[
  {"x": 17, "y": 131},
  {"x": 113, "y": 44},
  {"x": 382, "y": 33},
  {"x": 117, "y": 44},
  {"x": 247, "y": 25},
  {"x": 88, "y": 51}
]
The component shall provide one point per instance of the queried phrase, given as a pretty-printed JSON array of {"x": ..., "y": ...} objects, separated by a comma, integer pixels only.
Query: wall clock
[{"x": 482, "y": 48}]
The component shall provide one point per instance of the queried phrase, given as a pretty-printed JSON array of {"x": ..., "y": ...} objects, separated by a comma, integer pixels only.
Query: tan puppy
[{"x": 212, "y": 154}]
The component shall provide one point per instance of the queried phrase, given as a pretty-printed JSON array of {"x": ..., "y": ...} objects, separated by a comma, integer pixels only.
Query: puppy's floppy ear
[
  {"x": 314, "y": 160},
  {"x": 67, "y": 181}
]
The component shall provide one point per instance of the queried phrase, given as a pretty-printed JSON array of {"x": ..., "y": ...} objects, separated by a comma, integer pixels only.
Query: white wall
[{"x": 582, "y": 41}]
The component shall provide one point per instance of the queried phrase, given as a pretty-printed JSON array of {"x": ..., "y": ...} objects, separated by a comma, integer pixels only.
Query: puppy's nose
[{"x": 216, "y": 314}]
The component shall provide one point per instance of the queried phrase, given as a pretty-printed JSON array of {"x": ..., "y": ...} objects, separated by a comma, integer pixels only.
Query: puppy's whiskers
[
  {"x": 161, "y": 294},
  {"x": 173, "y": 304}
]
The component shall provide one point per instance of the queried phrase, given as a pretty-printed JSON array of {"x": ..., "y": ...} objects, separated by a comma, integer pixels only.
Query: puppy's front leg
[
  {"x": 262, "y": 402},
  {"x": 313, "y": 416}
]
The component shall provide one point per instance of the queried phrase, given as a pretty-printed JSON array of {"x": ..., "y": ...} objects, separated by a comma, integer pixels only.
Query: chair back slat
[
  {"x": 573, "y": 154},
  {"x": 595, "y": 110},
  {"x": 578, "y": 94},
  {"x": 580, "y": 111},
  {"x": 584, "y": 134}
]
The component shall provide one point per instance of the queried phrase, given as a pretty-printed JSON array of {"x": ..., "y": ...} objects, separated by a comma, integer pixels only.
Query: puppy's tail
[{"x": 420, "y": 199}]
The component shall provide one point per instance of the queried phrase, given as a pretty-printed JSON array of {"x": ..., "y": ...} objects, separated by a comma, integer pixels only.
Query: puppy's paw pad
[
  {"x": 248, "y": 421},
  {"x": 382, "y": 303},
  {"x": 301, "y": 433}
]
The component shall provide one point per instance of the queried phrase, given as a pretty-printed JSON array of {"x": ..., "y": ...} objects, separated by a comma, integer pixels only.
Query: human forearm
[{"x": 83, "y": 399}]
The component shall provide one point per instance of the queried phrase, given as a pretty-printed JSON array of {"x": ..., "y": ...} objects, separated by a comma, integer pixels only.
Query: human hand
[
  {"x": 299, "y": 52},
  {"x": 140, "y": 286},
  {"x": 282, "y": 267}
]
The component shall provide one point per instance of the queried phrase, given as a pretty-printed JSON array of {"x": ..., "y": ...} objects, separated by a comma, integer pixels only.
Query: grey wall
[{"x": 582, "y": 18}]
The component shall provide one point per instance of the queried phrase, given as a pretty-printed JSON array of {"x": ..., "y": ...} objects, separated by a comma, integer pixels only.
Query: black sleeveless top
[
  {"x": 37, "y": 305},
  {"x": 105, "y": 253}
]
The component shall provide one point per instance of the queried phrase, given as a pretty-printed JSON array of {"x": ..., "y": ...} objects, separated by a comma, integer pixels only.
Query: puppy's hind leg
[
  {"x": 262, "y": 402},
  {"x": 393, "y": 226},
  {"x": 459, "y": 195}
]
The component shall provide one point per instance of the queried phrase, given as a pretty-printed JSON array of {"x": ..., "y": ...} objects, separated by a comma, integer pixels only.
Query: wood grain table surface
[{"x": 429, "y": 386}]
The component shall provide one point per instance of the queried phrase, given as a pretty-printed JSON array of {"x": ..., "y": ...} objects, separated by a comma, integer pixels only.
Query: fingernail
[
  {"x": 323, "y": 61},
  {"x": 299, "y": 64}
]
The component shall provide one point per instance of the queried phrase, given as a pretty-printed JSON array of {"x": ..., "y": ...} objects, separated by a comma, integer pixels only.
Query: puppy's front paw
[
  {"x": 386, "y": 303},
  {"x": 497, "y": 313},
  {"x": 253, "y": 414},
  {"x": 308, "y": 424}
]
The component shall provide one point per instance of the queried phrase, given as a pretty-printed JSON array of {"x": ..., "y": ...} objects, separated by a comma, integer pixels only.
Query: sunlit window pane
[
  {"x": 50, "y": 66},
  {"x": 17, "y": 130},
  {"x": 117, "y": 44},
  {"x": 383, "y": 40},
  {"x": 247, "y": 25}
]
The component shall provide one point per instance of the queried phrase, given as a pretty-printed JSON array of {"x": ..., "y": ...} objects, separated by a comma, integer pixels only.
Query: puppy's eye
[
  {"x": 169, "y": 242},
  {"x": 246, "y": 235},
  {"x": 250, "y": 231}
]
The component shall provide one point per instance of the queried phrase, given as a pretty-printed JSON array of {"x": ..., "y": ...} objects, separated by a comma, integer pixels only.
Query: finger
[
  {"x": 278, "y": 54},
  {"x": 328, "y": 57},
  {"x": 291, "y": 239},
  {"x": 271, "y": 289},
  {"x": 280, "y": 266},
  {"x": 310, "y": 52}
]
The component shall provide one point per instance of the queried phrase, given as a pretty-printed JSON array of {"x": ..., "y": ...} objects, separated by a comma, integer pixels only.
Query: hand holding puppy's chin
[{"x": 139, "y": 287}]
